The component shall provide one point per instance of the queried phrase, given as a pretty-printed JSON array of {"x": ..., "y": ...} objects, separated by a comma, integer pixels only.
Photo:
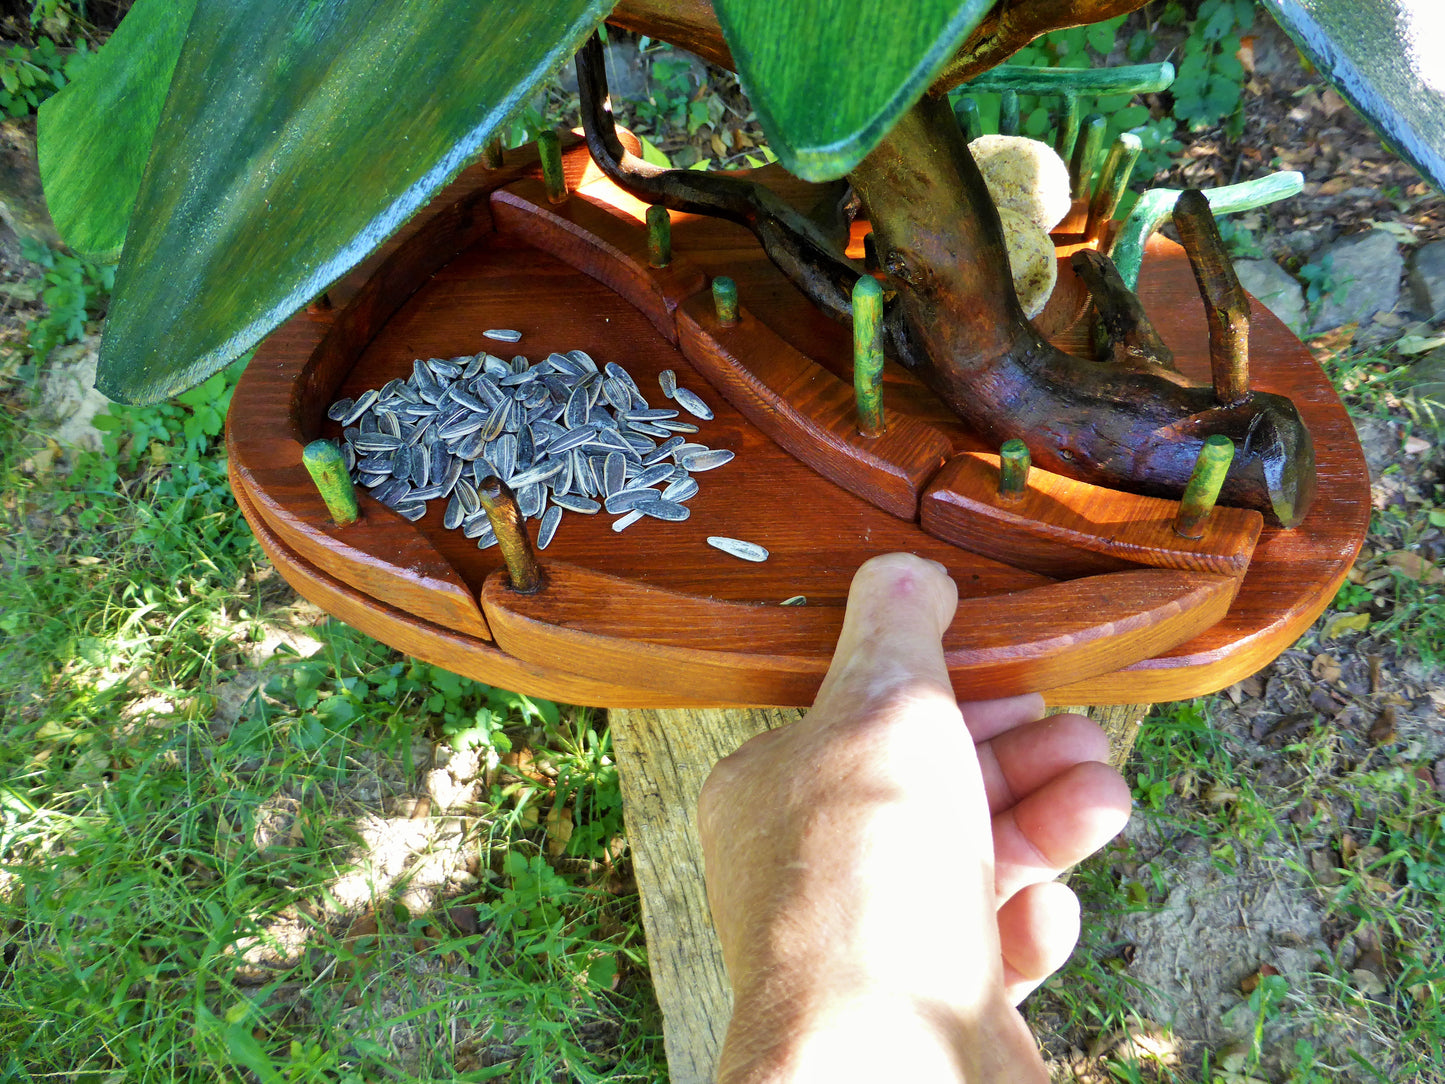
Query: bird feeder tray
[{"x": 1084, "y": 592}]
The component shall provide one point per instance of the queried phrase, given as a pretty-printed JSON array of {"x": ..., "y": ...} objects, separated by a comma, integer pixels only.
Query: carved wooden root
[
  {"x": 957, "y": 322},
  {"x": 1138, "y": 428}
]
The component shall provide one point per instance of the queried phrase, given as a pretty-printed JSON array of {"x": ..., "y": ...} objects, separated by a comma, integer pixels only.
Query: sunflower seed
[
  {"x": 582, "y": 358},
  {"x": 796, "y": 600},
  {"x": 411, "y": 510},
  {"x": 359, "y": 406},
  {"x": 452, "y": 518},
  {"x": 747, "y": 551},
  {"x": 530, "y": 499},
  {"x": 680, "y": 490},
  {"x": 466, "y": 493},
  {"x": 548, "y": 527},
  {"x": 690, "y": 402},
  {"x": 575, "y": 503},
  {"x": 441, "y": 369},
  {"x": 503, "y": 335},
  {"x": 651, "y": 476},
  {"x": 710, "y": 459},
  {"x": 668, "y": 510},
  {"x": 671, "y": 426},
  {"x": 668, "y": 379},
  {"x": 621, "y": 523},
  {"x": 338, "y": 410},
  {"x": 628, "y": 499}
]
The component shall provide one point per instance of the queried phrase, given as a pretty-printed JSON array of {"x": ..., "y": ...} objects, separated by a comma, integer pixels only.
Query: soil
[{"x": 1216, "y": 921}]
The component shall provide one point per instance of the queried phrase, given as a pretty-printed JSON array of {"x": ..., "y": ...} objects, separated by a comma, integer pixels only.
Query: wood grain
[
  {"x": 808, "y": 411},
  {"x": 461, "y": 279},
  {"x": 613, "y": 628},
  {"x": 1070, "y": 528}
]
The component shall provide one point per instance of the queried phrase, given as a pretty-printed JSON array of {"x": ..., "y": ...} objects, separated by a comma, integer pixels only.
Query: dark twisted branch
[{"x": 792, "y": 240}]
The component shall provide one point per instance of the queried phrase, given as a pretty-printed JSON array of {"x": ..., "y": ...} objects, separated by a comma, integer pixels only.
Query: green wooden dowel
[
  {"x": 659, "y": 236},
  {"x": 1013, "y": 468},
  {"x": 1068, "y": 129},
  {"x": 1112, "y": 182},
  {"x": 508, "y": 525},
  {"x": 492, "y": 153},
  {"x": 549, "y": 149},
  {"x": 725, "y": 300},
  {"x": 1204, "y": 486},
  {"x": 1155, "y": 207},
  {"x": 1126, "y": 79},
  {"x": 328, "y": 470},
  {"x": 1085, "y": 158},
  {"x": 868, "y": 355},
  {"x": 966, "y": 110},
  {"x": 1008, "y": 113}
]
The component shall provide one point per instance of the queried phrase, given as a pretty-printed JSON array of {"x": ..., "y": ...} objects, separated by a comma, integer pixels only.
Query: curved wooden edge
[
  {"x": 442, "y": 647},
  {"x": 725, "y": 652},
  {"x": 381, "y": 553},
  {"x": 808, "y": 411},
  {"x": 600, "y": 241},
  {"x": 1067, "y": 528},
  {"x": 283, "y": 395}
]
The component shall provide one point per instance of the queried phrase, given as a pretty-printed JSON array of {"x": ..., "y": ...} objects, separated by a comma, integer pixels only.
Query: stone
[
  {"x": 1426, "y": 279},
  {"x": 1276, "y": 289},
  {"x": 67, "y": 404},
  {"x": 1379, "y": 442},
  {"x": 1365, "y": 272}
]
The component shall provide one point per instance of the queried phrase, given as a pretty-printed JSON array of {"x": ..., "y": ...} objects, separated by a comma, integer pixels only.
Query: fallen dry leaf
[
  {"x": 1440, "y": 777},
  {"x": 1383, "y": 730},
  {"x": 1343, "y": 623},
  {"x": 1326, "y": 668},
  {"x": 1323, "y": 702},
  {"x": 1414, "y": 566},
  {"x": 1416, "y": 445},
  {"x": 559, "y": 830}
]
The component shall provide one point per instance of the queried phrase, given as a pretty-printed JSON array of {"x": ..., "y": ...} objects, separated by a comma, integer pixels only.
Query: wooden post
[{"x": 663, "y": 758}]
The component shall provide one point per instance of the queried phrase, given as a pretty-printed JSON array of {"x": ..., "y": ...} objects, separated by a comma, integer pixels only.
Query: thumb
[{"x": 891, "y": 645}]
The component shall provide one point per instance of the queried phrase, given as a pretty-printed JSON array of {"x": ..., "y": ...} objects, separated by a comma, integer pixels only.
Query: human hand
[{"x": 885, "y": 868}]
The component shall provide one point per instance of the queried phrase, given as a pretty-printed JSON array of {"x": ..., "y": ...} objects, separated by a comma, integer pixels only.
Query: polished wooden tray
[{"x": 1083, "y": 592}]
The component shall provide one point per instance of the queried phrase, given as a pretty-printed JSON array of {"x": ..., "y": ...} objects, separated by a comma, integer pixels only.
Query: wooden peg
[
  {"x": 868, "y": 355},
  {"x": 549, "y": 149},
  {"x": 492, "y": 153},
  {"x": 725, "y": 299},
  {"x": 1125, "y": 333},
  {"x": 507, "y": 524},
  {"x": 1068, "y": 129},
  {"x": 323, "y": 461},
  {"x": 1204, "y": 485},
  {"x": 1086, "y": 155},
  {"x": 1225, "y": 302},
  {"x": 1112, "y": 182},
  {"x": 1008, "y": 113},
  {"x": 966, "y": 112},
  {"x": 659, "y": 236},
  {"x": 1013, "y": 469}
]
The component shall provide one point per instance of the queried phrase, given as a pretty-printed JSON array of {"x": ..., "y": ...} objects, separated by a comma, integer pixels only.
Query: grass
[{"x": 239, "y": 841}]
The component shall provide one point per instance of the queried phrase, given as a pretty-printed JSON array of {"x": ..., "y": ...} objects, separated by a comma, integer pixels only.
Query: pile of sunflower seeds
[{"x": 564, "y": 434}]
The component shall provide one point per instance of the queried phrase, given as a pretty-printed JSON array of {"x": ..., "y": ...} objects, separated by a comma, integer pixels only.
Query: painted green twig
[
  {"x": 492, "y": 153},
  {"x": 1112, "y": 182},
  {"x": 1226, "y": 305},
  {"x": 328, "y": 470},
  {"x": 868, "y": 355},
  {"x": 1013, "y": 469},
  {"x": 549, "y": 149},
  {"x": 1126, "y": 79},
  {"x": 508, "y": 525},
  {"x": 966, "y": 110},
  {"x": 1008, "y": 113},
  {"x": 1204, "y": 485},
  {"x": 659, "y": 236},
  {"x": 1155, "y": 206},
  {"x": 725, "y": 300},
  {"x": 1067, "y": 132},
  {"x": 1086, "y": 155}
]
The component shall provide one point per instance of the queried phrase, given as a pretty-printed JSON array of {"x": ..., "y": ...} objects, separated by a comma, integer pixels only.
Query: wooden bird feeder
[{"x": 1087, "y": 593}]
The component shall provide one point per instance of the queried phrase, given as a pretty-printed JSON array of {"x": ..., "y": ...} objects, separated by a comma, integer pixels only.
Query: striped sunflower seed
[
  {"x": 690, "y": 402},
  {"x": 503, "y": 335},
  {"x": 747, "y": 551}
]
